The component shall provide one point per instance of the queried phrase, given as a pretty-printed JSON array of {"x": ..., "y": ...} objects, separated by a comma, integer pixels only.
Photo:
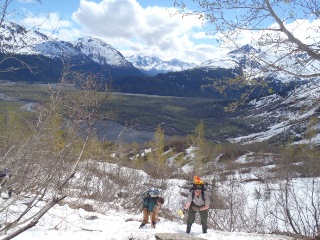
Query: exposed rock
[
  {"x": 91, "y": 218},
  {"x": 175, "y": 236}
]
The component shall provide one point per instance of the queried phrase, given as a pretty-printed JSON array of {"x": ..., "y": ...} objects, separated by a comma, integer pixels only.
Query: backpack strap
[
  {"x": 203, "y": 198},
  {"x": 202, "y": 195}
]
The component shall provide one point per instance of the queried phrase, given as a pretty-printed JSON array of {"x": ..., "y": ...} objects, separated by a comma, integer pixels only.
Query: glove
[
  {"x": 195, "y": 208},
  {"x": 153, "y": 224}
]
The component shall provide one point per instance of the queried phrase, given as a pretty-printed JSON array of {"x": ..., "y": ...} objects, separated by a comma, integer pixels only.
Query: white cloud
[
  {"x": 49, "y": 24},
  {"x": 305, "y": 30},
  {"x": 128, "y": 27}
]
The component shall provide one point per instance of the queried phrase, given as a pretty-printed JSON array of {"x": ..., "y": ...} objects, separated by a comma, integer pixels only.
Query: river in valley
[
  {"x": 105, "y": 130},
  {"x": 112, "y": 131}
]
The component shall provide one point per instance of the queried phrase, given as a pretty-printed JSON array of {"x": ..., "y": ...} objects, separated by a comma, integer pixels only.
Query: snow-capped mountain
[
  {"x": 15, "y": 39},
  {"x": 56, "y": 49},
  {"x": 18, "y": 40},
  {"x": 95, "y": 49},
  {"x": 101, "y": 52},
  {"x": 247, "y": 59},
  {"x": 88, "y": 54},
  {"x": 239, "y": 58},
  {"x": 154, "y": 65},
  {"x": 22, "y": 41}
]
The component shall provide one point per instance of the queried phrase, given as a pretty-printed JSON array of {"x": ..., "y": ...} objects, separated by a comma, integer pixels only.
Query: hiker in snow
[
  {"x": 5, "y": 174},
  {"x": 198, "y": 201},
  {"x": 151, "y": 206}
]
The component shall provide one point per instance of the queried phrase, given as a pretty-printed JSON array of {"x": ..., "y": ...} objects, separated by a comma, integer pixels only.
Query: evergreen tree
[
  {"x": 159, "y": 144},
  {"x": 156, "y": 157},
  {"x": 199, "y": 142}
]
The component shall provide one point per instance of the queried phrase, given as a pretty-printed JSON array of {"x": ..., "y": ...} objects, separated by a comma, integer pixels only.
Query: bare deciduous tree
[
  {"x": 275, "y": 26},
  {"x": 44, "y": 165},
  {"x": 285, "y": 35}
]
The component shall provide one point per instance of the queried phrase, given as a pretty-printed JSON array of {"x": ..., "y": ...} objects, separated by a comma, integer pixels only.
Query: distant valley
[{"x": 268, "y": 113}]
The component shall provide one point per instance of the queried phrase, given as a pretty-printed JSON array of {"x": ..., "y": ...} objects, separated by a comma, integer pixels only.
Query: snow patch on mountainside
[
  {"x": 55, "y": 48},
  {"x": 216, "y": 63},
  {"x": 285, "y": 114},
  {"x": 101, "y": 52},
  {"x": 18, "y": 40}
]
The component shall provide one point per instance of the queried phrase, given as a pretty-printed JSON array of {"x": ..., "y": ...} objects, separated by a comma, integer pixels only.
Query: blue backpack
[{"x": 151, "y": 193}]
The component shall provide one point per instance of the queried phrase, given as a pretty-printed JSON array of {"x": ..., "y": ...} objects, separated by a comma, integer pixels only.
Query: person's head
[
  {"x": 197, "y": 189},
  {"x": 160, "y": 201}
]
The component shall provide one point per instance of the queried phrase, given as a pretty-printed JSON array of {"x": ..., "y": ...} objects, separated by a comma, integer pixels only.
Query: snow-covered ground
[
  {"x": 64, "y": 223},
  {"x": 297, "y": 108},
  {"x": 73, "y": 222}
]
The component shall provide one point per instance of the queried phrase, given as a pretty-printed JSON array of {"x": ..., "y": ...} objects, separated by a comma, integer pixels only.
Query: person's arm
[
  {"x": 204, "y": 208},
  {"x": 187, "y": 206},
  {"x": 188, "y": 203}
]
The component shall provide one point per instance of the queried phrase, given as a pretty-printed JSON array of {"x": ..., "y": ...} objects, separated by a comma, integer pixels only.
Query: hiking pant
[
  {"x": 203, "y": 217},
  {"x": 153, "y": 215},
  {"x": 3, "y": 187}
]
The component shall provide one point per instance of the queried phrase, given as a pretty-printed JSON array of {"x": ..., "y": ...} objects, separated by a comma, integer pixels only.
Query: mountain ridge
[
  {"x": 94, "y": 55},
  {"x": 152, "y": 65}
]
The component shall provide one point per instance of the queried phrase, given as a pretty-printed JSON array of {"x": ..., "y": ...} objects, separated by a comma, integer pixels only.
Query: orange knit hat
[{"x": 197, "y": 180}]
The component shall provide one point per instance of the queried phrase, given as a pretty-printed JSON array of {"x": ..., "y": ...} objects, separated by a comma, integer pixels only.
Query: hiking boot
[
  {"x": 153, "y": 224},
  {"x": 204, "y": 229},
  {"x": 188, "y": 228},
  {"x": 142, "y": 225}
]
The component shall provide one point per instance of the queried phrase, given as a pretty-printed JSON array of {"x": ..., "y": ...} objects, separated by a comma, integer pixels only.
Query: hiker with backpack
[
  {"x": 5, "y": 174},
  {"x": 152, "y": 203},
  {"x": 197, "y": 201}
]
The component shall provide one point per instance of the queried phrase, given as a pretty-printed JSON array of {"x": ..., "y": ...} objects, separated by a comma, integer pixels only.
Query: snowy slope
[
  {"x": 216, "y": 63},
  {"x": 284, "y": 116},
  {"x": 250, "y": 61},
  {"x": 109, "y": 220},
  {"x": 64, "y": 223},
  {"x": 70, "y": 220},
  {"x": 239, "y": 58},
  {"x": 101, "y": 52},
  {"x": 56, "y": 48},
  {"x": 17, "y": 39}
]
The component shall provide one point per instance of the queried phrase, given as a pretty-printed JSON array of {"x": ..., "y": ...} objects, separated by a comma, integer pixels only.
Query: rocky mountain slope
[{"x": 280, "y": 118}]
